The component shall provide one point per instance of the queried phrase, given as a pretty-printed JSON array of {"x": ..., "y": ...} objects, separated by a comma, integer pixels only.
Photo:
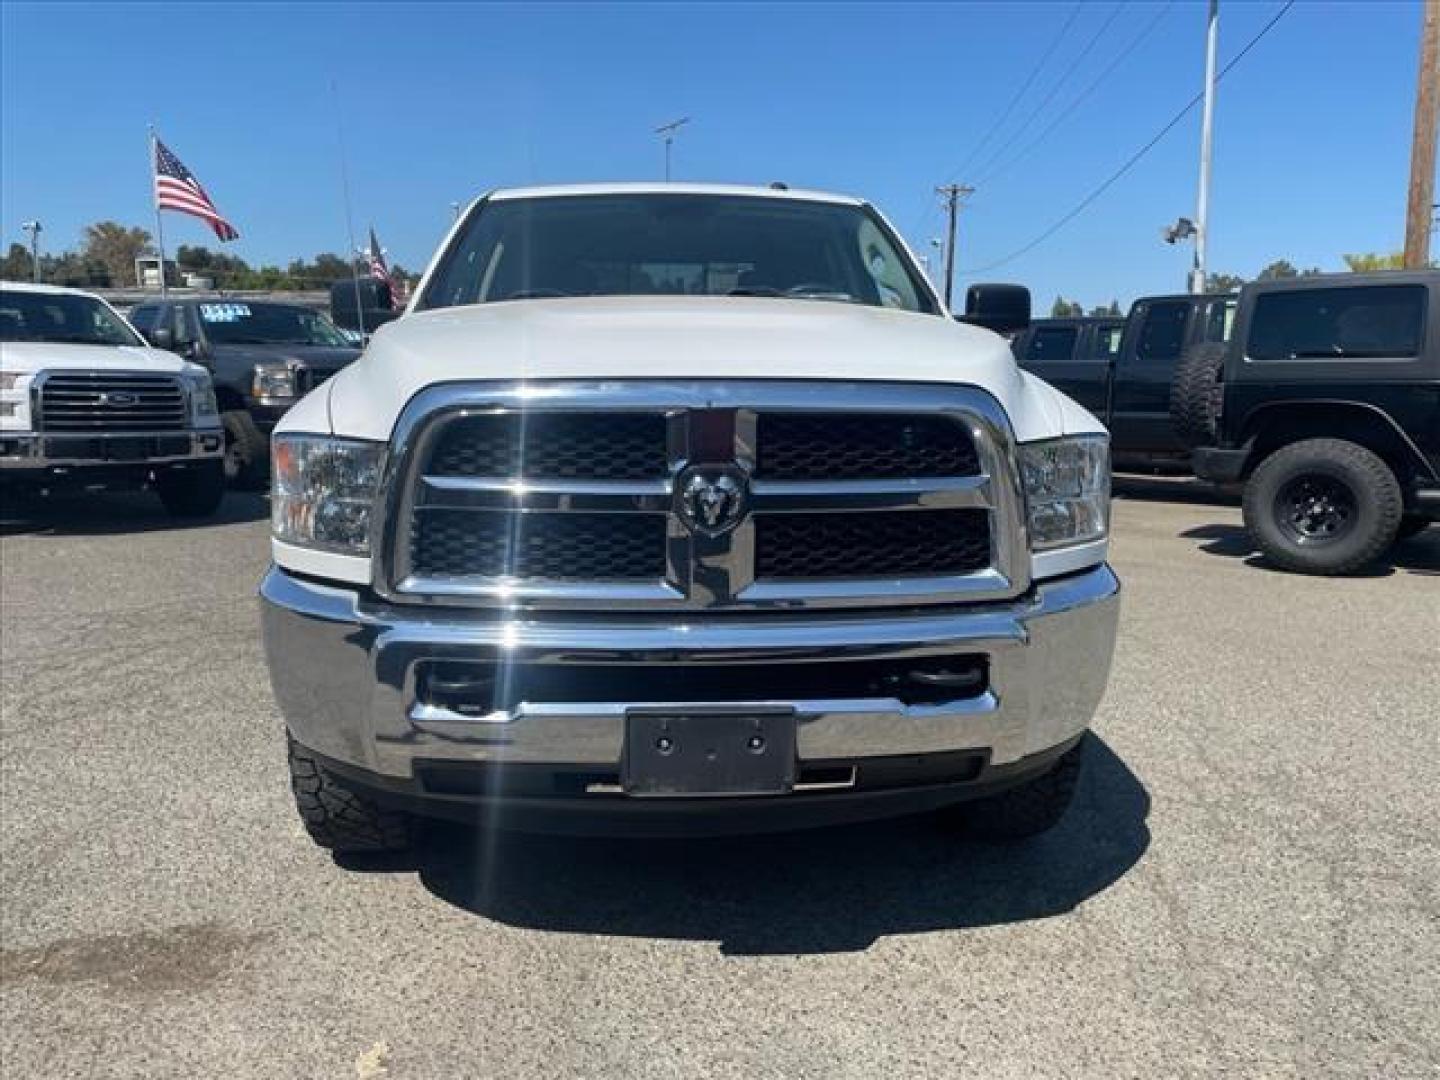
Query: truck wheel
[
  {"x": 1026, "y": 810},
  {"x": 192, "y": 492},
  {"x": 1323, "y": 506},
  {"x": 1412, "y": 525},
  {"x": 338, "y": 817},
  {"x": 1195, "y": 394},
  {"x": 247, "y": 464}
]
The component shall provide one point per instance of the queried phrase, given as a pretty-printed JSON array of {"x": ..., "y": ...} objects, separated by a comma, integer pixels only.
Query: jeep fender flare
[{"x": 1251, "y": 432}]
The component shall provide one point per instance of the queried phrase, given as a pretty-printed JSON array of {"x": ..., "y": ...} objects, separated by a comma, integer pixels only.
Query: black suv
[
  {"x": 263, "y": 356},
  {"x": 1121, "y": 370},
  {"x": 1326, "y": 404}
]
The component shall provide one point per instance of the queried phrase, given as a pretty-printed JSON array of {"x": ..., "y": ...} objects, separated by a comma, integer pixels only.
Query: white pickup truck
[
  {"x": 684, "y": 508},
  {"x": 85, "y": 403}
]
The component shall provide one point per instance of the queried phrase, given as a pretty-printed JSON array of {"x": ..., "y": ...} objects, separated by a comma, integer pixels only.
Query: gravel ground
[{"x": 1249, "y": 883}]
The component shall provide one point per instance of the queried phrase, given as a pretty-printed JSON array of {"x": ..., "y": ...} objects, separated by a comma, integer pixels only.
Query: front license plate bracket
[{"x": 679, "y": 753}]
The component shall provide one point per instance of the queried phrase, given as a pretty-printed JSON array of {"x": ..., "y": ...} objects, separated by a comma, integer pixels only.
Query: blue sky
[{"x": 441, "y": 102}]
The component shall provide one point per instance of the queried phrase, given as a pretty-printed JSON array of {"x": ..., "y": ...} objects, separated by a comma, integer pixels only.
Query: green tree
[
  {"x": 1361, "y": 264},
  {"x": 16, "y": 264},
  {"x": 112, "y": 246},
  {"x": 1110, "y": 309},
  {"x": 1280, "y": 268},
  {"x": 1223, "y": 282},
  {"x": 1064, "y": 309}
]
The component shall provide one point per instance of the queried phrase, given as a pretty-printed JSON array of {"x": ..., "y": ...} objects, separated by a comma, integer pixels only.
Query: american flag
[
  {"x": 177, "y": 189},
  {"x": 381, "y": 271}
]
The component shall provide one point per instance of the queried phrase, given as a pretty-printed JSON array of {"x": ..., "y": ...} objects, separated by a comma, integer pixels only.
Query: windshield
[
  {"x": 62, "y": 318},
  {"x": 228, "y": 323},
  {"x": 676, "y": 245}
]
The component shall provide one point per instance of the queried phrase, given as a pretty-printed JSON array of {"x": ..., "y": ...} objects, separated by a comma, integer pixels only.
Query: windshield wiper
[{"x": 1344, "y": 354}]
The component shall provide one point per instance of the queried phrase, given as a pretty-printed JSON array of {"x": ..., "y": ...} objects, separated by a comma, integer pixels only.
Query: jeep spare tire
[{"x": 1195, "y": 394}]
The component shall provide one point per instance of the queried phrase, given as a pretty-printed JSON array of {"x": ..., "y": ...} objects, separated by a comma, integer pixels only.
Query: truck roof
[
  {"x": 61, "y": 290},
  {"x": 665, "y": 187}
]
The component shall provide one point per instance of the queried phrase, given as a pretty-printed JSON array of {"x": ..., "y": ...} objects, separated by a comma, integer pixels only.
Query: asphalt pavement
[{"x": 1248, "y": 884}]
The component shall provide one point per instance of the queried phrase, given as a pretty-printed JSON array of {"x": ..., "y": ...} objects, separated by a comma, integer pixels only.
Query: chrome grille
[
  {"x": 93, "y": 401},
  {"x": 550, "y": 547},
  {"x": 571, "y": 495},
  {"x": 580, "y": 446},
  {"x": 856, "y": 446},
  {"x": 925, "y": 542}
]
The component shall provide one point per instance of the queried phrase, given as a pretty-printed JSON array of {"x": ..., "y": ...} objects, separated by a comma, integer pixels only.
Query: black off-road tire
[
  {"x": 1412, "y": 525},
  {"x": 1195, "y": 394},
  {"x": 1026, "y": 810},
  {"x": 193, "y": 492},
  {"x": 247, "y": 455},
  {"x": 1355, "y": 475},
  {"x": 338, "y": 817}
]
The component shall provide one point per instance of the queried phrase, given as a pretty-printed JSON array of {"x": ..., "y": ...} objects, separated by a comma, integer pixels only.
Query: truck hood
[
  {"x": 677, "y": 338},
  {"x": 32, "y": 356},
  {"x": 316, "y": 357}
]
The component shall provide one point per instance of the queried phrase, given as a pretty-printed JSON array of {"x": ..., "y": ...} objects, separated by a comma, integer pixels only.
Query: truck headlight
[
  {"x": 273, "y": 380},
  {"x": 1067, "y": 490},
  {"x": 202, "y": 397},
  {"x": 323, "y": 490}
]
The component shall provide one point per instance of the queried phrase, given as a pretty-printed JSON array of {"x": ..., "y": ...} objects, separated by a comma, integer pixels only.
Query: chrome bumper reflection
[{"x": 343, "y": 669}]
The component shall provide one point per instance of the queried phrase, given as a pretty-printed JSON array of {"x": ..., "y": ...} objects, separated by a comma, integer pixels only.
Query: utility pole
[
  {"x": 952, "y": 194},
  {"x": 1422, "y": 150},
  {"x": 1207, "y": 133},
  {"x": 34, "y": 229},
  {"x": 667, "y": 133}
]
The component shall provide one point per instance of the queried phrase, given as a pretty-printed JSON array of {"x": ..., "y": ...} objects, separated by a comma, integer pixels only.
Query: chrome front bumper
[{"x": 343, "y": 668}]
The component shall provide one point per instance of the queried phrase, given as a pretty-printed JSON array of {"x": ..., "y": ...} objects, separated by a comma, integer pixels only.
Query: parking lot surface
[{"x": 1249, "y": 883}]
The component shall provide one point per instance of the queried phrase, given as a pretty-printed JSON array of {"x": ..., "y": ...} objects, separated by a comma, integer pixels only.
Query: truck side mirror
[
  {"x": 1002, "y": 308},
  {"x": 162, "y": 337}
]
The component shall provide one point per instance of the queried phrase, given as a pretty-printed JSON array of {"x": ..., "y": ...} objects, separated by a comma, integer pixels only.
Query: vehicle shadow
[
  {"x": 114, "y": 513},
  {"x": 820, "y": 891},
  {"x": 1173, "y": 489},
  {"x": 1417, "y": 555}
]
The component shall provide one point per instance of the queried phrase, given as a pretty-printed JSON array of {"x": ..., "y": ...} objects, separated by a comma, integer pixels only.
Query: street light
[
  {"x": 667, "y": 133},
  {"x": 34, "y": 229}
]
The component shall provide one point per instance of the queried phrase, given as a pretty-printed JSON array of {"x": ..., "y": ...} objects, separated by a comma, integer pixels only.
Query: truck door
[{"x": 1140, "y": 398}]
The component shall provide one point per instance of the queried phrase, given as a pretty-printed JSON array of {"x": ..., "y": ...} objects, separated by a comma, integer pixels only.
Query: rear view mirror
[
  {"x": 1002, "y": 308},
  {"x": 162, "y": 337}
]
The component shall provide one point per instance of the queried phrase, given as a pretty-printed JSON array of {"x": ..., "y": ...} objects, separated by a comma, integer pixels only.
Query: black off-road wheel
[
  {"x": 195, "y": 491},
  {"x": 1323, "y": 506},
  {"x": 337, "y": 816},
  {"x": 1195, "y": 394},
  {"x": 247, "y": 461},
  {"x": 1024, "y": 811}
]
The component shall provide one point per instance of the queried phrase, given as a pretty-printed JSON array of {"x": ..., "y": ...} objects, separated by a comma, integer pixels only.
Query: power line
[
  {"x": 928, "y": 213},
  {"x": 1054, "y": 90},
  {"x": 1080, "y": 98},
  {"x": 1024, "y": 87},
  {"x": 1133, "y": 159}
]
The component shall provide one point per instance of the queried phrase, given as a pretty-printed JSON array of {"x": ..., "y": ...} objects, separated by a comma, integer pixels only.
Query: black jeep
[
  {"x": 1121, "y": 370},
  {"x": 263, "y": 357},
  {"x": 1325, "y": 403}
]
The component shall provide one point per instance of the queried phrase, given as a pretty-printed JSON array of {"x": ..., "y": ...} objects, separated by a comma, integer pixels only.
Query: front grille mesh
[
  {"x": 554, "y": 446},
  {"x": 111, "y": 401},
  {"x": 909, "y": 544},
  {"x": 860, "y": 446},
  {"x": 544, "y": 547}
]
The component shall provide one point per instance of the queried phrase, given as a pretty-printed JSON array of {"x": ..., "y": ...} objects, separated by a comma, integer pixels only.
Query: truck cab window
[
  {"x": 1051, "y": 345},
  {"x": 1162, "y": 334}
]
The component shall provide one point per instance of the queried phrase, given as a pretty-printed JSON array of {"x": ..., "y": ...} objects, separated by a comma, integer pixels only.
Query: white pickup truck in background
[
  {"x": 86, "y": 404},
  {"x": 684, "y": 508}
]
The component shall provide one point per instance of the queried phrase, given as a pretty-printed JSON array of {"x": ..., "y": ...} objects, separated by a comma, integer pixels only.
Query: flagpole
[
  {"x": 349, "y": 219},
  {"x": 159, "y": 225}
]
